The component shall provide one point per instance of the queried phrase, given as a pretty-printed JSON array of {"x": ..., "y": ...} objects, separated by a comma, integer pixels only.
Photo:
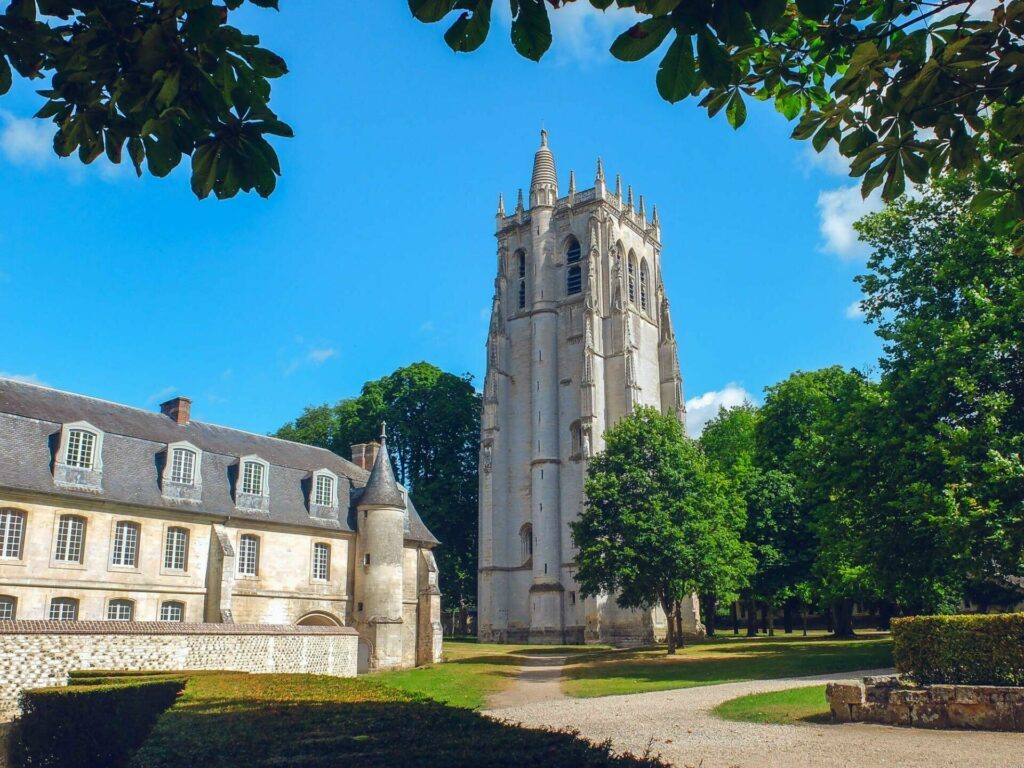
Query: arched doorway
[{"x": 318, "y": 619}]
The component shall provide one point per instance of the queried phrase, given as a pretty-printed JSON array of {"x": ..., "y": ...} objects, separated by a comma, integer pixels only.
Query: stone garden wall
[
  {"x": 35, "y": 654},
  {"x": 884, "y": 700}
]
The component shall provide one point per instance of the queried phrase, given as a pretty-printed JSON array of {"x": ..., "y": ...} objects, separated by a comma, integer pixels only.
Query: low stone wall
[
  {"x": 36, "y": 654},
  {"x": 884, "y": 700}
]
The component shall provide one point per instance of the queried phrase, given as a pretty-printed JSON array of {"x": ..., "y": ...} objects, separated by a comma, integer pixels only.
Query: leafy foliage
[
  {"x": 166, "y": 79},
  {"x": 659, "y": 523},
  {"x": 962, "y": 650},
  {"x": 433, "y": 422},
  {"x": 904, "y": 90}
]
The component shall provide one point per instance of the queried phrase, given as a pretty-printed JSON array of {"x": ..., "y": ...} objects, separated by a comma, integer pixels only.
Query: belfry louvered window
[
  {"x": 521, "y": 257},
  {"x": 644, "y": 280},
  {"x": 574, "y": 275},
  {"x": 631, "y": 278}
]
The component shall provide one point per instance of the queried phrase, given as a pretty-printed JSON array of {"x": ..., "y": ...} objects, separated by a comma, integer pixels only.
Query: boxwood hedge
[
  {"x": 99, "y": 724},
  {"x": 984, "y": 649}
]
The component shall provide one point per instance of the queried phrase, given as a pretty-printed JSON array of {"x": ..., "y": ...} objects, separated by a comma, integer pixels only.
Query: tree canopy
[
  {"x": 905, "y": 89},
  {"x": 659, "y": 522},
  {"x": 433, "y": 420}
]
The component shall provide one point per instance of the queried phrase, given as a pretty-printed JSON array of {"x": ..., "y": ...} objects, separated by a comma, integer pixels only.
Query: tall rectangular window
[
  {"x": 321, "y": 562},
  {"x": 12, "y": 533},
  {"x": 176, "y": 549},
  {"x": 183, "y": 466},
  {"x": 324, "y": 495},
  {"x": 248, "y": 554},
  {"x": 70, "y": 535},
  {"x": 63, "y": 609},
  {"x": 80, "y": 449},
  {"x": 126, "y": 545},
  {"x": 252, "y": 478}
]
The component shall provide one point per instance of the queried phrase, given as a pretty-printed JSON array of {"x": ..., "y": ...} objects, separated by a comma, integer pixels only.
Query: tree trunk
[
  {"x": 769, "y": 611},
  {"x": 670, "y": 639},
  {"x": 829, "y": 624},
  {"x": 734, "y": 610},
  {"x": 844, "y": 618},
  {"x": 787, "y": 617},
  {"x": 710, "y": 605},
  {"x": 751, "y": 618},
  {"x": 764, "y": 617},
  {"x": 803, "y": 617},
  {"x": 679, "y": 623},
  {"x": 885, "y": 610}
]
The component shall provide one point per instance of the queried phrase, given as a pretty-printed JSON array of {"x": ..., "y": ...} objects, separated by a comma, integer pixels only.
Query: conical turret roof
[
  {"x": 382, "y": 490},
  {"x": 544, "y": 165}
]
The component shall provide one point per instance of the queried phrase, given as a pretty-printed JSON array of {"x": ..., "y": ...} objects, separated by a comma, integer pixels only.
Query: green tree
[
  {"x": 775, "y": 529},
  {"x": 167, "y": 79},
  {"x": 946, "y": 293},
  {"x": 433, "y": 420},
  {"x": 903, "y": 89},
  {"x": 659, "y": 523}
]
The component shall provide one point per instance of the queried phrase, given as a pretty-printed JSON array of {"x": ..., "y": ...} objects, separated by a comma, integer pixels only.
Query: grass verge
[
  {"x": 795, "y": 705},
  {"x": 723, "y": 660}
]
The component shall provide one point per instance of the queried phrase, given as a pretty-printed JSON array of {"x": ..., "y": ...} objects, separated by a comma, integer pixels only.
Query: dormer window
[
  {"x": 323, "y": 490},
  {"x": 79, "y": 460},
  {"x": 253, "y": 487},
  {"x": 182, "y": 476}
]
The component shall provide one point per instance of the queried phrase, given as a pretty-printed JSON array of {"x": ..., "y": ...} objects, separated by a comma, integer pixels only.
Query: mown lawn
[
  {"x": 796, "y": 705},
  {"x": 722, "y": 660},
  {"x": 226, "y": 720},
  {"x": 473, "y": 671}
]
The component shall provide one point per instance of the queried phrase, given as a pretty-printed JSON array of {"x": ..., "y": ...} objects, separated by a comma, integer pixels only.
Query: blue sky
[{"x": 377, "y": 249}]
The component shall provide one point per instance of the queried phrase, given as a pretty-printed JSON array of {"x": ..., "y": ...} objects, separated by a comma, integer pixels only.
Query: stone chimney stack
[
  {"x": 177, "y": 408},
  {"x": 365, "y": 454}
]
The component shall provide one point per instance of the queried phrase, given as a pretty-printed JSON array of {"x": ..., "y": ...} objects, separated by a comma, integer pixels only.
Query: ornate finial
[
  {"x": 618, "y": 185},
  {"x": 572, "y": 182},
  {"x": 501, "y": 204},
  {"x": 654, "y": 216},
  {"x": 383, "y": 433},
  {"x": 600, "y": 171},
  {"x": 543, "y": 137},
  {"x": 519, "y": 200},
  {"x": 643, "y": 210},
  {"x": 629, "y": 195}
]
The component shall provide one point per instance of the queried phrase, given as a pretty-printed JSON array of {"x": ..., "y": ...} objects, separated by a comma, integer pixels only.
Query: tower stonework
[{"x": 580, "y": 335}]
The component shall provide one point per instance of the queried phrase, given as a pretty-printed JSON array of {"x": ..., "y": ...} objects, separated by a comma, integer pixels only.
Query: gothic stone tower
[{"x": 580, "y": 335}]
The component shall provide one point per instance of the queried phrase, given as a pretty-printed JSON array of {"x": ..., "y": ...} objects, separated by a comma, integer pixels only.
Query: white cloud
[
  {"x": 26, "y": 140},
  {"x": 828, "y": 160},
  {"x": 855, "y": 310},
  {"x": 427, "y": 326},
  {"x": 162, "y": 394},
  {"x": 703, "y": 408},
  {"x": 580, "y": 33},
  {"x": 838, "y": 209},
  {"x": 321, "y": 355},
  {"x": 28, "y": 378}
]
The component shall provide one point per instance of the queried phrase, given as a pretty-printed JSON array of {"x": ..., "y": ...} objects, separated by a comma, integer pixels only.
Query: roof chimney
[
  {"x": 365, "y": 454},
  {"x": 177, "y": 408}
]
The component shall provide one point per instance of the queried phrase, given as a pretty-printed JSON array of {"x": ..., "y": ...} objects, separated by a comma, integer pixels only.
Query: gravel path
[
  {"x": 678, "y": 725},
  {"x": 539, "y": 680}
]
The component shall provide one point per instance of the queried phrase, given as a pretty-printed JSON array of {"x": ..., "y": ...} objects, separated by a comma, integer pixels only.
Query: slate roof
[
  {"x": 381, "y": 489},
  {"x": 134, "y": 451}
]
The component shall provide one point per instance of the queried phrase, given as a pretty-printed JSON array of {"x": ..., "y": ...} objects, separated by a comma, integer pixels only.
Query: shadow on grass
[{"x": 263, "y": 725}]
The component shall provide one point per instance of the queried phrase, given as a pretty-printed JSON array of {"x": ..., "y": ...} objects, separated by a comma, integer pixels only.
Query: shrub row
[
  {"x": 985, "y": 649},
  {"x": 97, "y": 725}
]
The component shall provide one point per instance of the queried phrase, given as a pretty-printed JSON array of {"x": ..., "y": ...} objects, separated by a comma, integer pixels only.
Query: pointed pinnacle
[
  {"x": 572, "y": 182},
  {"x": 501, "y": 204},
  {"x": 600, "y": 171}
]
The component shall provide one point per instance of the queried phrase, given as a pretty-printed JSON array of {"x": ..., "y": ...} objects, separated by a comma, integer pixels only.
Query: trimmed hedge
[
  {"x": 91, "y": 726},
  {"x": 984, "y": 649}
]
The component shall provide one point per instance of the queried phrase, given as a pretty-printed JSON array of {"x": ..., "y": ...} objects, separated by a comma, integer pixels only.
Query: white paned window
[
  {"x": 176, "y": 549},
  {"x": 252, "y": 478},
  {"x": 172, "y": 610},
  {"x": 183, "y": 466},
  {"x": 63, "y": 609},
  {"x": 70, "y": 535},
  {"x": 12, "y": 533},
  {"x": 321, "y": 562},
  {"x": 248, "y": 554},
  {"x": 81, "y": 445},
  {"x": 126, "y": 545},
  {"x": 8, "y": 607},
  {"x": 324, "y": 492},
  {"x": 120, "y": 610}
]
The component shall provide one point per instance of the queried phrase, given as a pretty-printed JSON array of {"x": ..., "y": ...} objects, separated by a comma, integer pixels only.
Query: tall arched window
[
  {"x": 526, "y": 538},
  {"x": 644, "y": 283},
  {"x": 574, "y": 275},
  {"x": 521, "y": 267},
  {"x": 631, "y": 283}
]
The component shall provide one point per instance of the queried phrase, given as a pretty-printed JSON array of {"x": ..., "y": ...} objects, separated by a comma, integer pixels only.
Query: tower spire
[
  {"x": 382, "y": 489},
  {"x": 643, "y": 211},
  {"x": 501, "y": 204},
  {"x": 618, "y": 186},
  {"x": 544, "y": 184},
  {"x": 519, "y": 201}
]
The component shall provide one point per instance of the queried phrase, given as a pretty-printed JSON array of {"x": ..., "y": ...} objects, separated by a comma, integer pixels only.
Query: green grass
[
  {"x": 722, "y": 660},
  {"x": 473, "y": 671},
  {"x": 796, "y": 705},
  {"x": 230, "y": 719}
]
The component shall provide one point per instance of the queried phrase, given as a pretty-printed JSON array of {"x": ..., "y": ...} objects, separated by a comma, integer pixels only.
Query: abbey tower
[{"x": 580, "y": 335}]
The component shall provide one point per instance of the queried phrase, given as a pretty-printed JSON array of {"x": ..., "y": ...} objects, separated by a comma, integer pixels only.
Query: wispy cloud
[
  {"x": 161, "y": 394},
  {"x": 855, "y": 310},
  {"x": 828, "y": 160},
  {"x": 427, "y": 326},
  {"x": 26, "y": 140},
  {"x": 28, "y": 378},
  {"x": 581, "y": 34},
  {"x": 703, "y": 408},
  {"x": 838, "y": 209},
  {"x": 321, "y": 355}
]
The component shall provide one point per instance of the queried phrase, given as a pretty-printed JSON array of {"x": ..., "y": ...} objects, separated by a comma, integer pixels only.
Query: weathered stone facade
[
  {"x": 580, "y": 335},
  {"x": 35, "y": 654},
  {"x": 884, "y": 700},
  {"x": 296, "y": 557}
]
